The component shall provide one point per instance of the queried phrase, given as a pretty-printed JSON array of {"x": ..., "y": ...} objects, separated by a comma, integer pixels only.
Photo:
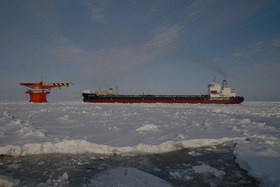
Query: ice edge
[{"x": 82, "y": 146}]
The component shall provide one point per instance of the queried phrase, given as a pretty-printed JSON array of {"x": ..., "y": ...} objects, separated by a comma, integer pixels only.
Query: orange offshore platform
[{"x": 38, "y": 92}]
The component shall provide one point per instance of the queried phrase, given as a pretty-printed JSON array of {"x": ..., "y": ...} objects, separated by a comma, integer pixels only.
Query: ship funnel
[
  {"x": 227, "y": 91},
  {"x": 224, "y": 84}
]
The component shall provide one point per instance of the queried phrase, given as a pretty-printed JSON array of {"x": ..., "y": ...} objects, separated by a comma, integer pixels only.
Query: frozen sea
[{"x": 126, "y": 144}]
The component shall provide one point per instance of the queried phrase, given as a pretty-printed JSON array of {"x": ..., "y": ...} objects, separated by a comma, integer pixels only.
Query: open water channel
[{"x": 208, "y": 166}]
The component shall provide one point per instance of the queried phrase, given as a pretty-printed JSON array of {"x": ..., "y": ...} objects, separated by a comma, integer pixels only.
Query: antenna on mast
[
  {"x": 117, "y": 89},
  {"x": 214, "y": 80}
]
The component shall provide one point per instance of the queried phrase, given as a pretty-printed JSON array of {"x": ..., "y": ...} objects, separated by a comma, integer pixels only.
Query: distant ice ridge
[{"x": 83, "y": 146}]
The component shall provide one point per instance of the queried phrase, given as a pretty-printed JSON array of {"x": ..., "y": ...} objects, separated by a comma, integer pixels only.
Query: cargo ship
[{"x": 216, "y": 95}]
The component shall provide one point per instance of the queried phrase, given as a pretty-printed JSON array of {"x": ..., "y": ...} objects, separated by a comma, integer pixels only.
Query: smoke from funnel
[
  {"x": 215, "y": 68},
  {"x": 209, "y": 65}
]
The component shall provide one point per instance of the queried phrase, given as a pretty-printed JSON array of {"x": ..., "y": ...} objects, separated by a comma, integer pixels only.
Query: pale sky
[{"x": 155, "y": 47}]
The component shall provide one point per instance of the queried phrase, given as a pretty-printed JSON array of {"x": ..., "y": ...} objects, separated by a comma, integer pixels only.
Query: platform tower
[{"x": 38, "y": 91}]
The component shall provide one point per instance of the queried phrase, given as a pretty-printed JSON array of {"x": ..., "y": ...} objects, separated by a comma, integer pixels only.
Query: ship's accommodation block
[{"x": 215, "y": 90}]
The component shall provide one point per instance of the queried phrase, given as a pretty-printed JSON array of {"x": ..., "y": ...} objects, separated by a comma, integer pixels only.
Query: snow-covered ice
[{"x": 251, "y": 129}]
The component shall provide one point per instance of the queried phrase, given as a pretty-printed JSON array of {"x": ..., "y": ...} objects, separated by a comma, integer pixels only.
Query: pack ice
[{"x": 251, "y": 128}]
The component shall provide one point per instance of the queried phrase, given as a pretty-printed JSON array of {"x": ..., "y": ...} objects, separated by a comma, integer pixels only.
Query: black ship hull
[{"x": 202, "y": 99}]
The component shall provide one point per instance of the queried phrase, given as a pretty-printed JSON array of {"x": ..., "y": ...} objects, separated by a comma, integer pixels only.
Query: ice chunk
[
  {"x": 127, "y": 177},
  {"x": 204, "y": 168},
  {"x": 147, "y": 127},
  {"x": 7, "y": 114}
]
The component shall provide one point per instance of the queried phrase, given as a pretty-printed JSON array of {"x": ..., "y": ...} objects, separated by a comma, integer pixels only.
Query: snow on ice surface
[{"x": 253, "y": 127}]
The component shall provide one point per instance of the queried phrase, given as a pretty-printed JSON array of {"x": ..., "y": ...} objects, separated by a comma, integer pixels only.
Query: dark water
[{"x": 177, "y": 168}]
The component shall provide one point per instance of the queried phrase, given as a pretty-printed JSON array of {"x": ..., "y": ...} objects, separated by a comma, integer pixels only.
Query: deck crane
[{"x": 38, "y": 91}]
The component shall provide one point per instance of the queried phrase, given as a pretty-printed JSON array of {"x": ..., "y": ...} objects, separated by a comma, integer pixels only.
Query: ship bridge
[{"x": 216, "y": 91}]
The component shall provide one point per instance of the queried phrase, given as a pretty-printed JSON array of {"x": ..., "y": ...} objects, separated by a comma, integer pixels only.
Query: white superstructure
[{"x": 216, "y": 91}]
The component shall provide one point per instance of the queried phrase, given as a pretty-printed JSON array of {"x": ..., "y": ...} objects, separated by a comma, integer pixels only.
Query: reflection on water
[{"x": 208, "y": 166}]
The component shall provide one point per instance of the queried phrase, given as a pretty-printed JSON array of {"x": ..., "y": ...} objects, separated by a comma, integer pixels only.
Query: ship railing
[{"x": 38, "y": 90}]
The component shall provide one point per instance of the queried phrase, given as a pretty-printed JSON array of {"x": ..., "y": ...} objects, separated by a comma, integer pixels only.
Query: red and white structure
[
  {"x": 216, "y": 91},
  {"x": 38, "y": 92}
]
